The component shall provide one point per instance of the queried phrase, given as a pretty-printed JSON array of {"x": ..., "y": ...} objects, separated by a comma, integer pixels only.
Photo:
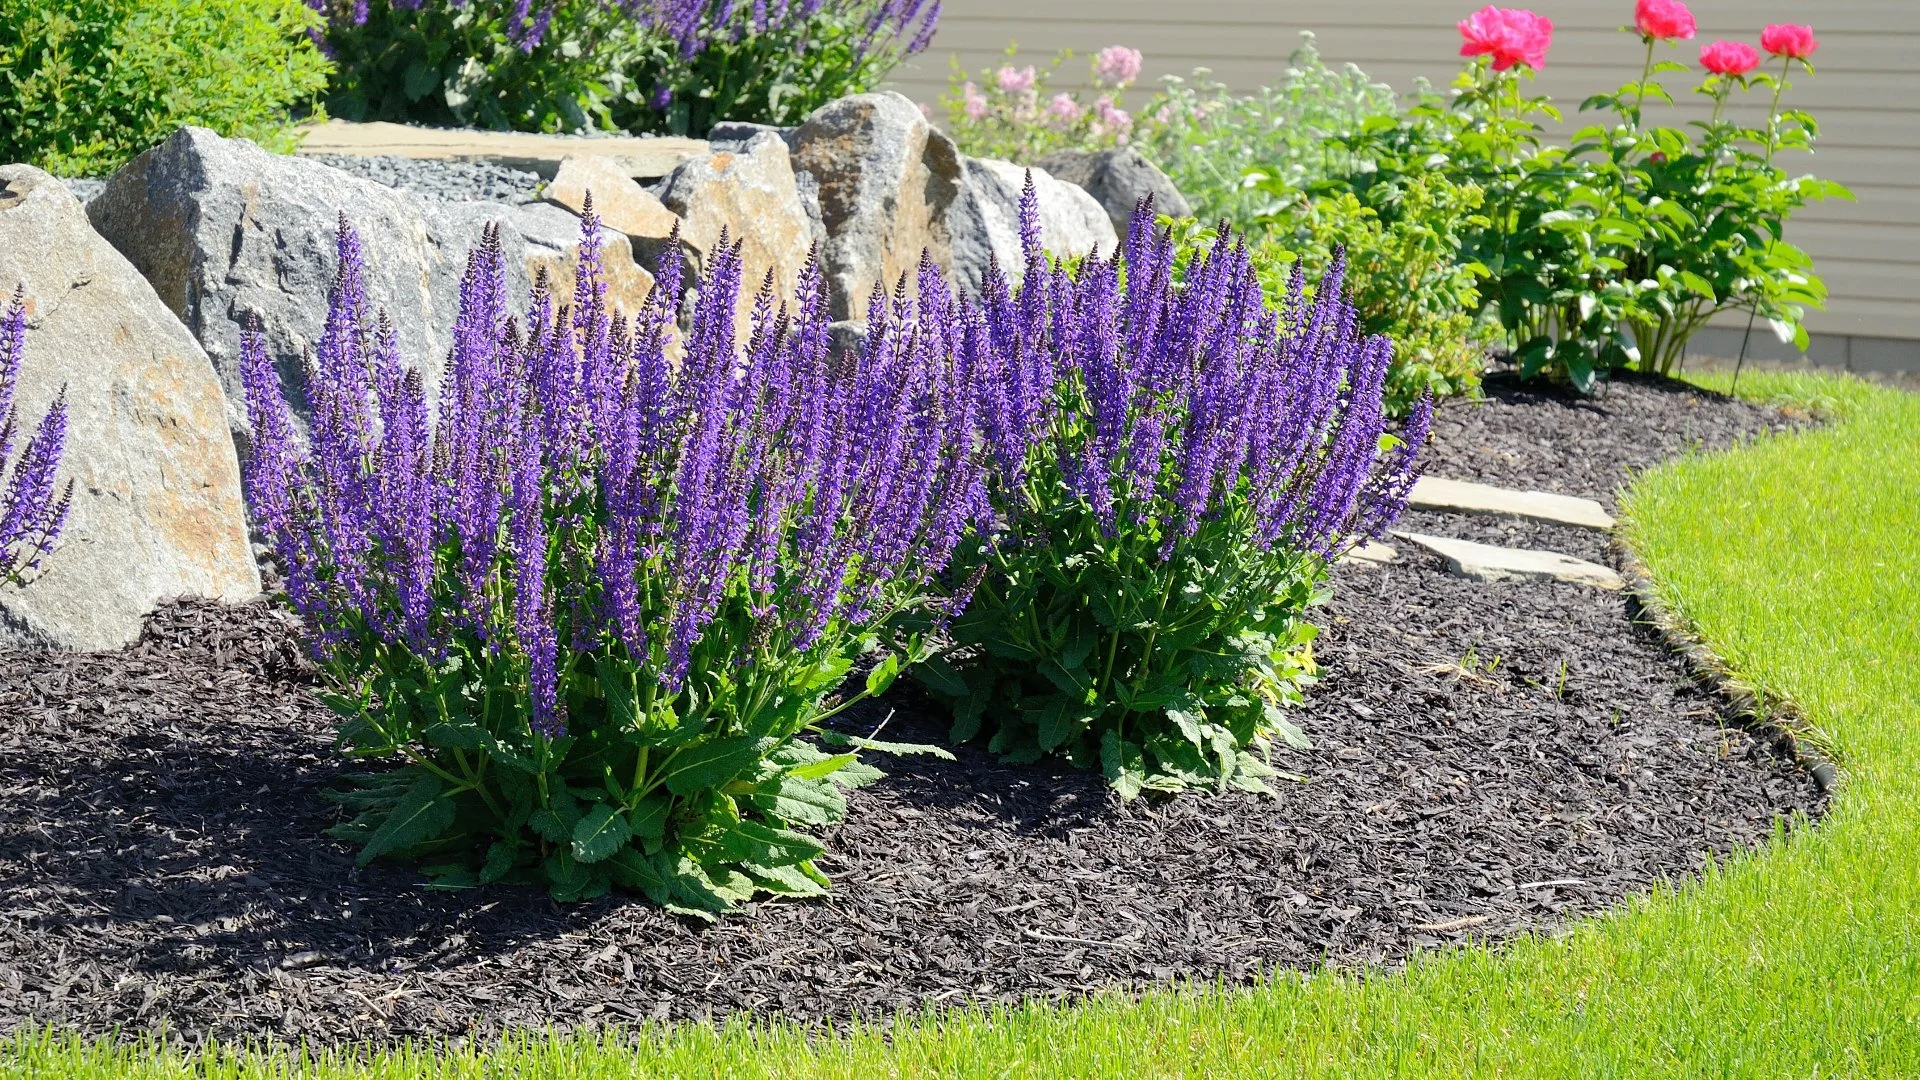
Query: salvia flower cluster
[
  {"x": 1173, "y": 462},
  {"x": 696, "y": 25},
  {"x": 33, "y": 504},
  {"x": 595, "y": 597}
]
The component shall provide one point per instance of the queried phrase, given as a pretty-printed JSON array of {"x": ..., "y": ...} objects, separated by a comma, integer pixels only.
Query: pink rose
[
  {"x": 1729, "y": 57},
  {"x": 1663, "y": 20},
  {"x": 1015, "y": 80},
  {"x": 1064, "y": 108},
  {"x": 1790, "y": 40},
  {"x": 1118, "y": 64},
  {"x": 1509, "y": 35},
  {"x": 973, "y": 101}
]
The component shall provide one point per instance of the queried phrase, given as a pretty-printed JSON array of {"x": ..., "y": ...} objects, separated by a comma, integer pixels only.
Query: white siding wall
[{"x": 1866, "y": 95}]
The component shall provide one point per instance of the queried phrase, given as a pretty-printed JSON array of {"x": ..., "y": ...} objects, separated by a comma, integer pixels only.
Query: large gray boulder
[
  {"x": 985, "y": 221},
  {"x": 884, "y": 181},
  {"x": 1118, "y": 179},
  {"x": 222, "y": 228},
  {"x": 157, "y": 511}
]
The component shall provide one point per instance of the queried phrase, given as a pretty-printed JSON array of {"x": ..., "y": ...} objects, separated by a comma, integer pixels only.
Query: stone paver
[
  {"x": 1485, "y": 562},
  {"x": 1371, "y": 553},
  {"x": 1465, "y": 497},
  {"x": 640, "y": 158}
]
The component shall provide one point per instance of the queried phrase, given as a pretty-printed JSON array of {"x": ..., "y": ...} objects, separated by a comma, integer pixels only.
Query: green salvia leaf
[
  {"x": 420, "y": 815},
  {"x": 603, "y": 831}
]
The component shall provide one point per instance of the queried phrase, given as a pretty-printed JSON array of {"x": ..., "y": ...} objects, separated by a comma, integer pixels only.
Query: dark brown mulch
[
  {"x": 1488, "y": 760},
  {"x": 1543, "y": 439}
]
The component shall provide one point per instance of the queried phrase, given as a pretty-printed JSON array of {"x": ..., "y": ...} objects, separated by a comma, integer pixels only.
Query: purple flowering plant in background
[
  {"x": 678, "y": 66},
  {"x": 1173, "y": 463},
  {"x": 594, "y": 603},
  {"x": 33, "y": 504},
  {"x": 765, "y": 61}
]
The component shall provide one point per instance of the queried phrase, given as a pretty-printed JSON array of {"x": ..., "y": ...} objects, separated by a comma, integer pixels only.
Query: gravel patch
[{"x": 441, "y": 181}]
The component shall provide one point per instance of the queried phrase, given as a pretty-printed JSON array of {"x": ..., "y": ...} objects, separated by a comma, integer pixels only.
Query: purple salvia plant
[
  {"x": 1166, "y": 451},
  {"x": 33, "y": 505}
]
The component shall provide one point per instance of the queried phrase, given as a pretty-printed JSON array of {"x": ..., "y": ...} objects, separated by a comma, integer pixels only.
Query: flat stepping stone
[
  {"x": 1485, "y": 562},
  {"x": 1465, "y": 497},
  {"x": 640, "y": 158},
  {"x": 1371, "y": 553}
]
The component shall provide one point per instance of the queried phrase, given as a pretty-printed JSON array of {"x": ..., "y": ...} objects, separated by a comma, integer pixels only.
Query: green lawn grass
[{"x": 1799, "y": 559}]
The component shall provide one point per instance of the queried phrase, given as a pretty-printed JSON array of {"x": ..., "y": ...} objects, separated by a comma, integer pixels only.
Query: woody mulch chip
[{"x": 1488, "y": 760}]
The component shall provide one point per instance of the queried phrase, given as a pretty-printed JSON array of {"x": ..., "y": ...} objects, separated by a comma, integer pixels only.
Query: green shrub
[
  {"x": 87, "y": 84},
  {"x": 483, "y": 63},
  {"x": 1208, "y": 138},
  {"x": 645, "y": 66},
  {"x": 765, "y": 64},
  {"x": 1406, "y": 273}
]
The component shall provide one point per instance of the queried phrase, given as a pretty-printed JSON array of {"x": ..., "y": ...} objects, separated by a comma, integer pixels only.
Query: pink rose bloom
[
  {"x": 1509, "y": 35},
  {"x": 1790, "y": 40},
  {"x": 974, "y": 101},
  {"x": 1663, "y": 20},
  {"x": 1015, "y": 80},
  {"x": 1729, "y": 57},
  {"x": 1118, "y": 64},
  {"x": 1064, "y": 108}
]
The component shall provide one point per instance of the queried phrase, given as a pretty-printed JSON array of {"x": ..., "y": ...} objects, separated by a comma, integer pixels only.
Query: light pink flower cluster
[
  {"x": 1117, "y": 65},
  {"x": 1111, "y": 119},
  {"x": 1509, "y": 35},
  {"x": 1014, "y": 80},
  {"x": 973, "y": 101},
  {"x": 1064, "y": 109}
]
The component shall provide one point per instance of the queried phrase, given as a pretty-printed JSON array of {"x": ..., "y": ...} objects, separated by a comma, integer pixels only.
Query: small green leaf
[
  {"x": 823, "y": 768},
  {"x": 883, "y": 674},
  {"x": 420, "y": 815},
  {"x": 801, "y": 802},
  {"x": 712, "y": 763},
  {"x": 501, "y": 857},
  {"x": 648, "y": 820},
  {"x": 603, "y": 831}
]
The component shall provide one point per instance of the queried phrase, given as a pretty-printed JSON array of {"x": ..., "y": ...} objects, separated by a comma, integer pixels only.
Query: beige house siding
[{"x": 1866, "y": 96}]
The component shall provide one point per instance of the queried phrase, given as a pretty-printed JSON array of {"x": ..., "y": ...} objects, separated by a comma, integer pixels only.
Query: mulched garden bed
[{"x": 1489, "y": 760}]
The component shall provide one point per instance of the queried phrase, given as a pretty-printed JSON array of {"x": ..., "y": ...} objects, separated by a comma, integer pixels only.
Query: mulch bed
[{"x": 1488, "y": 760}]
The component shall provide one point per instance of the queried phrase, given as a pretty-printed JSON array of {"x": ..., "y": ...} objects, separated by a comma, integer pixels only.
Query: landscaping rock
[
  {"x": 1464, "y": 497},
  {"x": 157, "y": 511},
  {"x": 222, "y": 228},
  {"x": 1371, "y": 553},
  {"x": 619, "y": 199},
  {"x": 986, "y": 220},
  {"x": 884, "y": 181},
  {"x": 642, "y": 158},
  {"x": 1118, "y": 179},
  {"x": 1485, "y": 562},
  {"x": 752, "y": 194}
]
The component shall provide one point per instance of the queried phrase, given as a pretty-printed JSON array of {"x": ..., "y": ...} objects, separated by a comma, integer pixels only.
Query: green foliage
[
  {"x": 776, "y": 76},
  {"x": 599, "y": 65},
  {"x": 438, "y": 63},
  {"x": 87, "y": 84},
  {"x": 692, "y": 798},
  {"x": 1162, "y": 674},
  {"x": 1613, "y": 250},
  {"x": 1208, "y": 138},
  {"x": 1406, "y": 271}
]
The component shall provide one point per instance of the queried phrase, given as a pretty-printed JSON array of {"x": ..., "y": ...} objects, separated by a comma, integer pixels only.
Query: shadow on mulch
[{"x": 1488, "y": 761}]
